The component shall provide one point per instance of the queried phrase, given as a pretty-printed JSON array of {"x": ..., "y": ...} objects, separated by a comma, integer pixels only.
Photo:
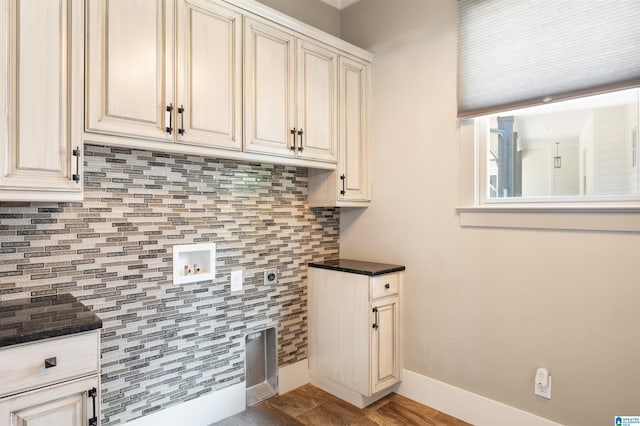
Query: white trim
[
  {"x": 465, "y": 405},
  {"x": 221, "y": 404},
  {"x": 203, "y": 411},
  {"x": 293, "y": 376},
  {"x": 340, "y": 4},
  {"x": 571, "y": 220},
  {"x": 601, "y": 214}
]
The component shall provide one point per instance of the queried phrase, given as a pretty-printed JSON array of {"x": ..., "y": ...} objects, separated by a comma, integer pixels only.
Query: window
[
  {"x": 566, "y": 165},
  {"x": 634, "y": 148},
  {"x": 548, "y": 114},
  {"x": 572, "y": 151}
]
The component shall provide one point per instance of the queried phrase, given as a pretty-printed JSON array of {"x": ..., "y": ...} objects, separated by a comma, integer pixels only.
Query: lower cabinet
[
  {"x": 51, "y": 382},
  {"x": 384, "y": 344},
  {"x": 354, "y": 334},
  {"x": 65, "y": 404}
]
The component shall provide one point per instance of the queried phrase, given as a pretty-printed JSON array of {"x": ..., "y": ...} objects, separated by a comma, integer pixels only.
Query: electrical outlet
[
  {"x": 543, "y": 391},
  {"x": 270, "y": 276}
]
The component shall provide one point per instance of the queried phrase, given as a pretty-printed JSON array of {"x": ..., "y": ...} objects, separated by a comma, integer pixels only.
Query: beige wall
[
  {"x": 312, "y": 12},
  {"x": 485, "y": 307}
]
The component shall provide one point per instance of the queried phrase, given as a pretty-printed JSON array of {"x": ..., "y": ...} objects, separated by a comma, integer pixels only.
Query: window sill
[{"x": 583, "y": 217}]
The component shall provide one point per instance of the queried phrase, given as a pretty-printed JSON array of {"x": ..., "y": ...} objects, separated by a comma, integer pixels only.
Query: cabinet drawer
[
  {"x": 23, "y": 366},
  {"x": 384, "y": 285}
]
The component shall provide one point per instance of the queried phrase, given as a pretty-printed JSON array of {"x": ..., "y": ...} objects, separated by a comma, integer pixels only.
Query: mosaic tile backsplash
[{"x": 163, "y": 344}]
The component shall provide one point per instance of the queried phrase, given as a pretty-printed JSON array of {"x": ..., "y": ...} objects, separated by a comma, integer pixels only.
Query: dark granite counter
[
  {"x": 36, "y": 318},
  {"x": 358, "y": 267}
]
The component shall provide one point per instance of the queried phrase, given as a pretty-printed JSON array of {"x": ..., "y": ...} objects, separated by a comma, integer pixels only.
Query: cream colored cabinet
[
  {"x": 165, "y": 70},
  {"x": 350, "y": 184},
  {"x": 41, "y": 59},
  {"x": 354, "y": 128},
  {"x": 354, "y": 333},
  {"x": 52, "y": 382},
  {"x": 66, "y": 404},
  {"x": 230, "y": 79},
  {"x": 291, "y": 93},
  {"x": 317, "y": 101},
  {"x": 209, "y": 65},
  {"x": 384, "y": 344},
  {"x": 130, "y": 78}
]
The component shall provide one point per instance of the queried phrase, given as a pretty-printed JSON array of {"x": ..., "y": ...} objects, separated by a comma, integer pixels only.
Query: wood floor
[{"x": 309, "y": 405}]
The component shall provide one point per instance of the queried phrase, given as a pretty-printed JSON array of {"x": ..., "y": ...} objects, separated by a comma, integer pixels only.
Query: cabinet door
[
  {"x": 41, "y": 59},
  {"x": 269, "y": 88},
  {"x": 129, "y": 67},
  {"x": 209, "y": 75},
  {"x": 385, "y": 344},
  {"x": 67, "y": 404},
  {"x": 354, "y": 163},
  {"x": 317, "y": 97}
]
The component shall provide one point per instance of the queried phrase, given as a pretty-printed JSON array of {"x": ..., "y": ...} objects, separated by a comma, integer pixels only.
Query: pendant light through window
[{"x": 557, "y": 160}]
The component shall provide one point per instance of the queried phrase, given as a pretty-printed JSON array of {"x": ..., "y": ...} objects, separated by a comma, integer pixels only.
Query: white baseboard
[
  {"x": 465, "y": 405},
  {"x": 201, "y": 411},
  {"x": 293, "y": 376},
  {"x": 221, "y": 404},
  {"x": 457, "y": 402}
]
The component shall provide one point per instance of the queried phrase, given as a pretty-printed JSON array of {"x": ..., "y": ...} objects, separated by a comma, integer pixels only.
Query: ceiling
[{"x": 340, "y": 4}]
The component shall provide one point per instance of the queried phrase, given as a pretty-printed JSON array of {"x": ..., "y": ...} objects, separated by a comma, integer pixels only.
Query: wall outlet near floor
[
  {"x": 270, "y": 276},
  {"x": 542, "y": 383},
  {"x": 236, "y": 281}
]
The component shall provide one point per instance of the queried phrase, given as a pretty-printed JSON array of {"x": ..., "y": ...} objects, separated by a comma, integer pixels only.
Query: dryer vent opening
[{"x": 261, "y": 365}]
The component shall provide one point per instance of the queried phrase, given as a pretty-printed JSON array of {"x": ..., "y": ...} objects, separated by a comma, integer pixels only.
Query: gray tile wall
[{"x": 163, "y": 344}]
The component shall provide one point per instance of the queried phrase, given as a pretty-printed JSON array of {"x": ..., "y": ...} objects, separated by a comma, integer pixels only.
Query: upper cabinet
[
  {"x": 350, "y": 184},
  {"x": 354, "y": 128},
  {"x": 317, "y": 101},
  {"x": 269, "y": 88},
  {"x": 129, "y": 67},
  {"x": 209, "y": 68},
  {"x": 166, "y": 71},
  {"x": 232, "y": 79},
  {"x": 41, "y": 57},
  {"x": 291, "y": 93}
]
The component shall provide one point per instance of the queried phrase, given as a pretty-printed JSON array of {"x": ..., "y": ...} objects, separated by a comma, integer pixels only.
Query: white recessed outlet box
[
  {"x": 236, "y": 280},
  {"x": 194, "y": 262}
]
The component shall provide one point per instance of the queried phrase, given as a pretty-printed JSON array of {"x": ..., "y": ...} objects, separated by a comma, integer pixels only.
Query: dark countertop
[
  {"x": 358, "y": 267},
  {"x": 36, "y": 318}
]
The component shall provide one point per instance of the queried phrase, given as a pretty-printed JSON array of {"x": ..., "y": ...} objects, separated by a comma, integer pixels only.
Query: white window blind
[{"x": 514, "y": 53}]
